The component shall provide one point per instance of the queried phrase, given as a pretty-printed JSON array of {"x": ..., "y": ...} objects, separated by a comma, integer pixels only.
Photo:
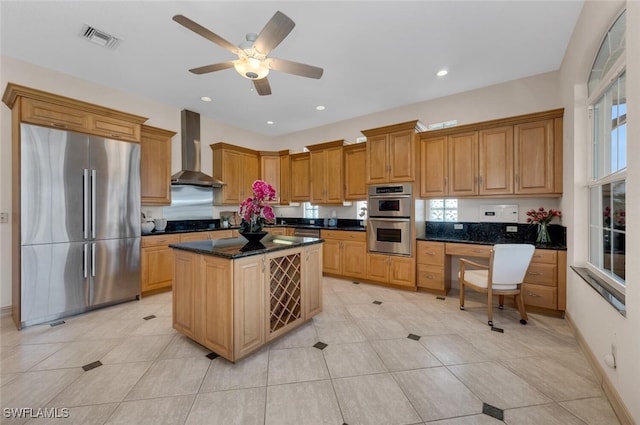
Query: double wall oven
[{"x": 390, "y": 219}]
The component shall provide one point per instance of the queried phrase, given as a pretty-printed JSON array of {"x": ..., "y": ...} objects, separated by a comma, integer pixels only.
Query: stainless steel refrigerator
[{"x": 80, "y": 223}]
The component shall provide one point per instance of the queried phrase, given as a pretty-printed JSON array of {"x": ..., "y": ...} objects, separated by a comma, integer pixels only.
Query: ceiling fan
[{"x": 252, "y": 62}]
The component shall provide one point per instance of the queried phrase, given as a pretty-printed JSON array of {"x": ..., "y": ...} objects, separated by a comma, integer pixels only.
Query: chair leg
[
  {"x": 523, "y": 313},
  {"x": 501, "y": 302},
  {"x": 490, "y": 308},
  {"x": 461, "y": 296}
]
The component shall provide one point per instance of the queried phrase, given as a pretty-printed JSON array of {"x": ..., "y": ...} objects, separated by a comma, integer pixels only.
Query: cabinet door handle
[
  {"x": 57, "y": 124},
  {"x": 430, "y": 276},
  {"x": 263, "y": 264},
  {"x": 430, "y": 253},
  {"x": 116, "y": 136},
  {"x": 517, "y": 178}
]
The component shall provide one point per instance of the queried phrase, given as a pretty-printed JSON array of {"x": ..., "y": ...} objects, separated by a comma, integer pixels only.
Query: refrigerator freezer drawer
[
  {"x": 115, "y": 271},
  {"x": 53, "y": 281}
]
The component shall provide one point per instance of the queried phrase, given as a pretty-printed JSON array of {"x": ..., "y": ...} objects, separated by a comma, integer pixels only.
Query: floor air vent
[{"x": 99, "y": 37}]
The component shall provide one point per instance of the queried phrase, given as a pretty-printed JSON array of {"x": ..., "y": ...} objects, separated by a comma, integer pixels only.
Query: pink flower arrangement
[
  {"x": 540, "y": 216},
  {"x": 255, "y": 210}
]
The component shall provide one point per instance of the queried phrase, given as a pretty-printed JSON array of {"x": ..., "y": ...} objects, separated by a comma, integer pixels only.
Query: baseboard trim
[
  {"x": 618, "y": 406},
  {"x": 5, "y": 311}
]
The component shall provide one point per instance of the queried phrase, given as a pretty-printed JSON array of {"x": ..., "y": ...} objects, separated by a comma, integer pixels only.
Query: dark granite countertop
[
  {"x": 321, "y": 227},
  {"x": 233, "y": 248},
  {"x": 557, "y": 247},
  {"x": 492, "y": 233}
]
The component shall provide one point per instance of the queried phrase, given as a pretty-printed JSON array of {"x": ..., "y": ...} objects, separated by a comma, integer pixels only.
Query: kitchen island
[{"x": 233, "y": 297}]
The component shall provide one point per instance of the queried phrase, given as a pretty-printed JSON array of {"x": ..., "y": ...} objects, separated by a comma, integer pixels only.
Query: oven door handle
[
  {"x": 388, "y": 195},
  {"x": 401, "y": 220}
]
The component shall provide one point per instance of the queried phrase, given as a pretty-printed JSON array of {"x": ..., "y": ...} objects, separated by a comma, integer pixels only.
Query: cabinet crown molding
[
  {"x": 14, "y": 91},
  {"x": 483, "y": 125},
  {"x": 414, "y": 125},
  {"x": 327, "y": 145}
]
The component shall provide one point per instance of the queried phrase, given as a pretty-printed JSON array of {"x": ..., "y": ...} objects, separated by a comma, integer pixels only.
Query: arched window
[{"x": 608, "y": 122}]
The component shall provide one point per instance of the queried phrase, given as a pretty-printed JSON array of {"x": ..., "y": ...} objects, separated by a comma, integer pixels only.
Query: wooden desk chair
[{"x": 508, "y": 264}]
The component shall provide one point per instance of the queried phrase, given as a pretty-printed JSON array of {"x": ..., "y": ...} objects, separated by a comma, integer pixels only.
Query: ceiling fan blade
[
  {"x": 202, "y": 31},
  {"x": 278, "y": 27},
  {"x": 262, "y": 86},
  {"x": 212, "y": 68},
  {"x": 296, "y": 68}
]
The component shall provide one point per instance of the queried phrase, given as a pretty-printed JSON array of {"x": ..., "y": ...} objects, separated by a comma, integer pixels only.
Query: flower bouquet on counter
[
  {"x": 542, "y": 218},
  {"x": 255, "y": 210}
]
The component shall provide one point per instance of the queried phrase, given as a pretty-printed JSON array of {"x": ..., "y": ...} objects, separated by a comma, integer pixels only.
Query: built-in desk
[{"x": 544, "y": 287}]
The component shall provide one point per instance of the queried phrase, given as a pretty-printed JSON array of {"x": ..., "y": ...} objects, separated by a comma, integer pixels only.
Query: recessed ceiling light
[
  {"x": 270, "y": 122},
  {"x": 205, "y": 99},
  {"x": 320, "y": 108},
  {"x": 442, "y": 73}
]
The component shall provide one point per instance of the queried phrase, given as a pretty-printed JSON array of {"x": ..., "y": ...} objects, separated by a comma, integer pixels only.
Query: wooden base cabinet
[
  {"x": 344, "y": 253},
  {"x": 392, "y": 269},
  {"x": 156, "y": 263},
  {"x": 234, "y": 307},
  {"x": 433, "y": 267}
]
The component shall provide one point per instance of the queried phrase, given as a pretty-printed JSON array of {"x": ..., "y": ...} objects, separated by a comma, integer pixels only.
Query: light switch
[{"x": 4, "y": 217}]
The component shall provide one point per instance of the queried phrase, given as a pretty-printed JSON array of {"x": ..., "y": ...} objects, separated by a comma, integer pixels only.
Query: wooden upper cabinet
[
  {"x": 155, "y": 166},
  {"x": 300, "y": 168},
  {"x": 238, "y": 168},
  {"x": 517, "y": 156},
  {"x": 495, "y": 157},
  {"x": 53, "y": 115},
  {"x": 534, "y": 157},
  {"x": 270, "y": 169},
  {"x": 275, "y": 170},
  {"x": 355, "y": 161},
  {"x": 326, "y": 173},
  {"x": 376, "y": 159},
  {"x": 462, "y": 163},
  {"x": 391, "y": 153},
  {"x": 433, "y": 167},
  {"x": 284, "y": 196},
  {"x": 51, "y": 110},
  {"x": 402, "y": 154}
]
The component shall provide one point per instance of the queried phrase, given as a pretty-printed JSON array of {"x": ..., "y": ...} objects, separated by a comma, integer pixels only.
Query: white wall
[{"x": 595, "y": 319}]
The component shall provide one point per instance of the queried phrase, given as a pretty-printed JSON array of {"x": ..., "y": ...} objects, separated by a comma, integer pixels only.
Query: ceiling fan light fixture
[{"x": 251, "y": 68}]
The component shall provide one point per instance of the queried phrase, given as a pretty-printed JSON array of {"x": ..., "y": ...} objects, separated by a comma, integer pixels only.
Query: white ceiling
[{"x": 376, "y": 55}]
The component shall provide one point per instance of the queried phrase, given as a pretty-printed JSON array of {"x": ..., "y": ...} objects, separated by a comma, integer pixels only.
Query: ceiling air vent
[{"x": 99, "y": 37}]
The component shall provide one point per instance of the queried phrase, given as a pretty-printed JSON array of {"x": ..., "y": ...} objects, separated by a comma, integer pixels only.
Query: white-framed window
[
  {"x": 608, "y": 140},
  {"x": 310, "y": 211},
  {"x": 443, "y": 210}
]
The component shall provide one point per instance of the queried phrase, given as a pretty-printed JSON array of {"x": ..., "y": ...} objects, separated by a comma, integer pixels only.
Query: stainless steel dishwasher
[{"x": 306, "y": 233}]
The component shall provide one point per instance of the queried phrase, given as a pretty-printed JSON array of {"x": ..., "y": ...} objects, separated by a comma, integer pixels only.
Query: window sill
[{"x": 613, "y": 297}]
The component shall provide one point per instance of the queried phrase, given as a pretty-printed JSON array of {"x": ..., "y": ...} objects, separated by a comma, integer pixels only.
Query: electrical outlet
[
  {"x": 458, "y": 226},
  {"x": 512, "y": 229},
  {"x": 4, "y": 217},
  {"x": 312, "y": 222}
]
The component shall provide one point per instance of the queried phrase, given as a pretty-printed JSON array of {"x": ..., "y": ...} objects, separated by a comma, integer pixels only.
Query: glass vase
[{"x": 543, "y": 234}]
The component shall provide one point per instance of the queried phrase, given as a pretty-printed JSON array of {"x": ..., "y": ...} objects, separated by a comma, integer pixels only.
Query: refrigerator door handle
[
  {"x": 93, "y": 203},
  {"x": 85, "y": 203},
  {"x": 91, "y": 281},
  {"x": 85, "y": 257},
  {"x": 93, "y": 260}
]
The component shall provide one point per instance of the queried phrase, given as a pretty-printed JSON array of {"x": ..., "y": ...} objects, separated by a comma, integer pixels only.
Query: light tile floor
[{"x": 369, "y": 373}]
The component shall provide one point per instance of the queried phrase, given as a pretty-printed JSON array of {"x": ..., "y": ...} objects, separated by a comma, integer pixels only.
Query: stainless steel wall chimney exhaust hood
[{"x": 190, "y": 173}]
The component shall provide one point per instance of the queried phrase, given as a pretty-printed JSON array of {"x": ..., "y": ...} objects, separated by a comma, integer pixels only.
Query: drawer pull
[
  {"x": 531, "y": 294},
  {"x": 55, "y": 124},
  {"x": 431, "y": 253},
  {"x": 480, "y": 251},
  {"x": 534, "y": 273}
]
